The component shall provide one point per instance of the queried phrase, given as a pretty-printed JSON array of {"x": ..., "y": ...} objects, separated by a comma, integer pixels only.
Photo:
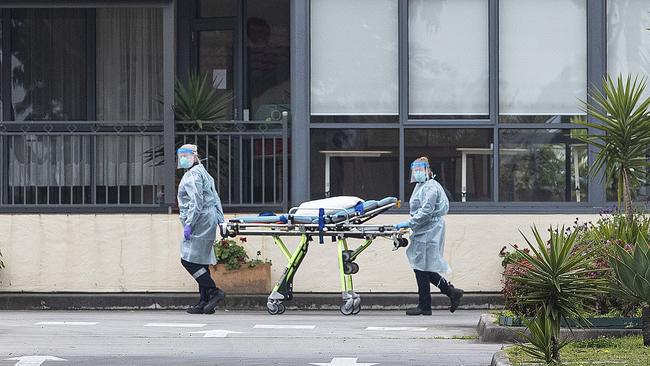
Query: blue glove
[
  {"x": 403, "y": 225},
  {"x": 187, "y": 232}
]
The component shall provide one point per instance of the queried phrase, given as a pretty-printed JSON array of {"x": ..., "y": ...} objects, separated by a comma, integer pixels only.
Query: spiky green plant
[
  {"x": 623, "y": 133},
  {"x": 556, "y": 278},
  {"x": 631, "y": 268},
  {"x": 199, "y": 101},
  {"x": 542, "y": 342}
]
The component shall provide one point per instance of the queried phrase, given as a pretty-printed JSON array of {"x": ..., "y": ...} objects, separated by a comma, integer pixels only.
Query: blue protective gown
[
  {"x": 200, "y": 207},
  {"x": 429, "y": 204}
]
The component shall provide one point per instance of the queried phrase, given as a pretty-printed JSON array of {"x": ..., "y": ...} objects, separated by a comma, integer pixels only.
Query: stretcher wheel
[
  {"x": 345, "y": 309},
  {"x": 348, "y": 268},
  {"x": 346, "y": 255},
  {"x": 272, "y": 308},
  {"x": 281, "y": 308},
  {"x": 355, "y": 268},
  {"x": 356, "y": 309}
]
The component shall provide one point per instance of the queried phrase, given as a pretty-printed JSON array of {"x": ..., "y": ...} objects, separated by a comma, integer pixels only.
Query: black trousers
[
  {"x": 201, "y": 273},
  {"x": 424, "y": 280}
]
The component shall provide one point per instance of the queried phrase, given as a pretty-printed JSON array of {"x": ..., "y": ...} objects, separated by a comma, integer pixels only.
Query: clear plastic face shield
[
  {"x": 185, "y": 158},
  {"x": 420, "y": 171}
]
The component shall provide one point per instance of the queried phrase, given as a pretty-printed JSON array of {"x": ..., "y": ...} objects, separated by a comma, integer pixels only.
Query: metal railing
[
  {"x": 119, "y": 166},
  {"x": 247, "y": 159},
  {"x": 49, "y": 165}
]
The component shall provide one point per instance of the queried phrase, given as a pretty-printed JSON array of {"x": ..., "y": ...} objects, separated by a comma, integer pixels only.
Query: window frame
[{"x": 596, "y": 45}]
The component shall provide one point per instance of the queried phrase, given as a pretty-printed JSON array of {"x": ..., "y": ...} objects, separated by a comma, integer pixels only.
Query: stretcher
[{"x": 337, "y": 218}]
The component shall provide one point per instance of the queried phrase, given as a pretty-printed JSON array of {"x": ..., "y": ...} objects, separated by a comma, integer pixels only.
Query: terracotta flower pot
[{"x": 245, "y": 280}]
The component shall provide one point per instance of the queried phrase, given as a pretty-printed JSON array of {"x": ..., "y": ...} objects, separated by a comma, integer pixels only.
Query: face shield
[
  {"x": 185, "y": 157},
  {"x": 420, "y": 172}
]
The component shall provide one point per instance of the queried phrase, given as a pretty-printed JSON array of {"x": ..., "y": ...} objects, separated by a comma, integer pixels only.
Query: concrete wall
[{"x": 116, "y": 253}]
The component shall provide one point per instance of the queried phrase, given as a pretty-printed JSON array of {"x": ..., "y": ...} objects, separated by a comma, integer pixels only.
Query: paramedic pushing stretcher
[
  {"x": 428, "y": 205},
  {"x": 200, "y": 214}
]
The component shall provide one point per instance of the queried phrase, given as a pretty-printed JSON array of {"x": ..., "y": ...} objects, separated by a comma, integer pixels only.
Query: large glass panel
[
  {"x": 216, "y": 60},
  {"x": 448, "y": 59},
  {"x": 48, "y": 56},
  {"x": 628, "y": 40},
  {"x": 354, "y": 60},
  {"x": 267, "y": 34},
  {"x": 354, "y": 162},
  {"x": 461, "y": 159},
  {"x": 129, "y": 64},
  {"x": 542, "y": 165},
  {"x": 127, "y": 169},
  {"x": 542, "y": 60},
  {"x": 217, "y": 8}
]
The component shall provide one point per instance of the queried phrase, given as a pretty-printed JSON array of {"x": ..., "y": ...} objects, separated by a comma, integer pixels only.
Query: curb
[
  {"x": 176, "y": 301},
  {"x": 490, "y": 332},
  {"x": 500, "y": 359}
]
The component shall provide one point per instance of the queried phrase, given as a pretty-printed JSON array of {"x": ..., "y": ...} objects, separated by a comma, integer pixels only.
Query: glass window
[
  {"x": 460, "y": 159},
  {"x": 542, "y": 60},
  {"x": 49, "y": 169},
  {"x": 217, "y": 8},
  {"x": 628, "y": 40},
  {"x": 542, "y": 165},
  {"x": 354, "y": 162},
  {"x": 268, "y": 48},
  {"x": 354, "y": 61},
  {"x": 129, "y": 64},
  {"x": 448, "y": 59},
  {"x": 48, "y": 55}
]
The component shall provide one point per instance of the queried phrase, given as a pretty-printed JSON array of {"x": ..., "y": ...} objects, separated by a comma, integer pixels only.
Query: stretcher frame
[{"x": 352, "y": 227}]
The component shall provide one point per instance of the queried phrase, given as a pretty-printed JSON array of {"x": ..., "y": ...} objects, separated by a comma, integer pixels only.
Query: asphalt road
[{"x": 240, "y": 338}]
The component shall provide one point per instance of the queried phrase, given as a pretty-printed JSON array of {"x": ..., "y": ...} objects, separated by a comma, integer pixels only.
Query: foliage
[
  {"x": 557, "y": 275},
  {"x": 556, "y": 281},
  {"x": 623, "y": 133},
  {"x": 627, "y": 351},
  {"x": 542, "y": 342},
  {"x": 200, "y": 101},
  {"x": 233, "y": 255}
]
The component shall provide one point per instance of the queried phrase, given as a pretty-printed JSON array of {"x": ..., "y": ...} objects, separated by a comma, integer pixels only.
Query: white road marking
[
  {"x": 33, "y": 360},
  {"x": 413, "y": 329},
  {"x": 67, "y": 323},
  {"x": 283, "y": 326},
  {"x": 177, "y": 325},
  {"x": 216, "y": 333},
  {"x": 344, "y": 362}
]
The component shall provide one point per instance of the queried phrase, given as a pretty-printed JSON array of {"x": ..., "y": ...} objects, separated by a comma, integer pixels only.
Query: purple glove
[{"x": 187, "y": 231}]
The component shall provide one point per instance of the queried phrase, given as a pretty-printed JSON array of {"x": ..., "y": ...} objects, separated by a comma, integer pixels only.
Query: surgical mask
[
  {"x": 184, "y": 162},
  {"x": 420, "y": 171},
  {"x": 419, "y": 176},
  {"x": 185, "y": 158}
]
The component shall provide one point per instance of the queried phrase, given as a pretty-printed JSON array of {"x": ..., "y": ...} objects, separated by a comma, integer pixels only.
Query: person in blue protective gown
[
  {"x": 200, "y": 214},
  {"x": 428, "y": 205}
]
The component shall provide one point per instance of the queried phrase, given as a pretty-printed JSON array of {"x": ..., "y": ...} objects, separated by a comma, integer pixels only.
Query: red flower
[{"x": 242, "y": 239}]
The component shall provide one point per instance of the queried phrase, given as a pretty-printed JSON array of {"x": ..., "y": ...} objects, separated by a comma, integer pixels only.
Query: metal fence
[
  {"x": 119, "y": 166},
  {"x": 248, "y": 160}
]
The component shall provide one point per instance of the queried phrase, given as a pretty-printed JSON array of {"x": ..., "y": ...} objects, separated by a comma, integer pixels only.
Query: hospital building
[{"x": 317, "y": 98}]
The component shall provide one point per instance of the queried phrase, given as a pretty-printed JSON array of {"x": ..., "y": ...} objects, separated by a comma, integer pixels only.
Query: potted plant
[{"x": 236, "y": 273}]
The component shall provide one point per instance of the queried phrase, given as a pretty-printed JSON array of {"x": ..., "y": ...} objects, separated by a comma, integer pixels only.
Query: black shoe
[
  {"x": 196, "y": 309},
  {"x": 455, "y": 294},
  {"x": 214, "y": 296},
  {"x": 418, "y": 311}
]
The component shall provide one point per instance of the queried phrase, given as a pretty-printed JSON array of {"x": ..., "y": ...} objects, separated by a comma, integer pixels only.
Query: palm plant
[
  {"x": 556, "y": 278},
  {"x": 632, "y": 272},
  {"x": 542, "y": 341},
  {"x": 623, "y": 133},
  {"x": 200, "y": 101}
]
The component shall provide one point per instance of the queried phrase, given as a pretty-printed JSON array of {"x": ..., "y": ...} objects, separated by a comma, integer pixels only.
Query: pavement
[{"x": 50, "y": 338}]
